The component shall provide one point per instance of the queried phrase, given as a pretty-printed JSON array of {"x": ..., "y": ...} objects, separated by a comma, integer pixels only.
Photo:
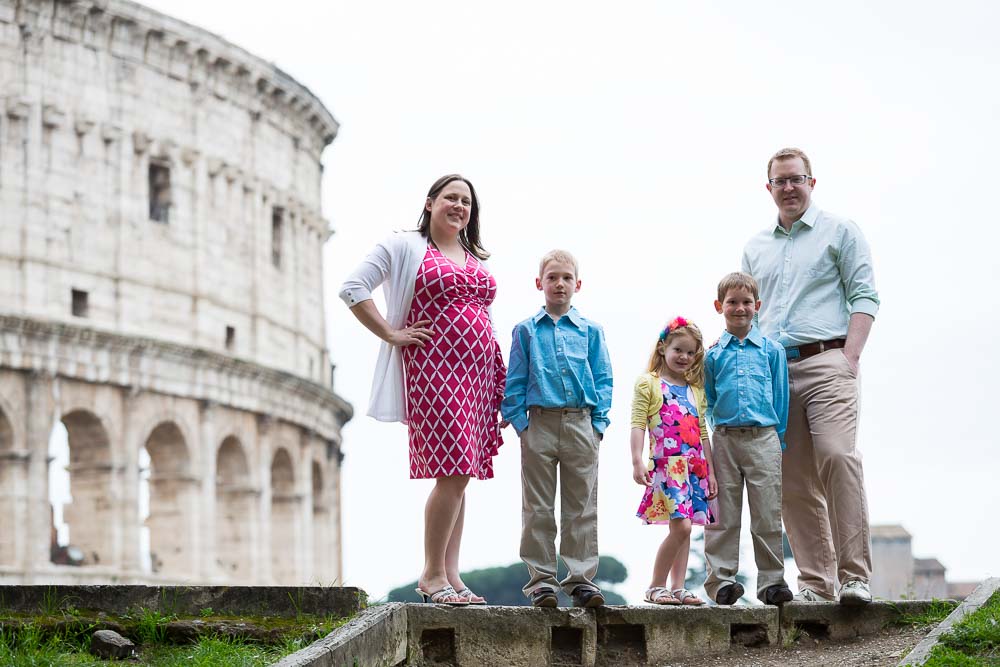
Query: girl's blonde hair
[{"x": 678, "y": 326}]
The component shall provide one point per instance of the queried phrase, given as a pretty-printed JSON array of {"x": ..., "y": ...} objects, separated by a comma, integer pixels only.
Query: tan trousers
[
  {"x": 824, "y": 502},
  {"x": 750, "y": 456},
  {"x": 563, "y": 441}
]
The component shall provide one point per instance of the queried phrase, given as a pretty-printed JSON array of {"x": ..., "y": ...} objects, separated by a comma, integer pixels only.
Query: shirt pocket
[
  {"x": 759, "y": 383},
  {"x": 575, "y": 346}
]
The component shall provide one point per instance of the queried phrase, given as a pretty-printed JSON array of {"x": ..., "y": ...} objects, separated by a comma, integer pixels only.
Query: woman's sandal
[
  {"x": 687, "y": 597},
  {"x": 471, "y": 597},
  {"x": 660, "y": 595},
  {"x": 446, "y": 595}
]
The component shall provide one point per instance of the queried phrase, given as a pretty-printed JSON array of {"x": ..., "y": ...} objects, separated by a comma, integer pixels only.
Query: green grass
[
  {"x": 936, "y": 612},
  {"x": 973, "y": 641},
  {"x": 27, "y": 641},
  {"x": 30, "y": 649}
]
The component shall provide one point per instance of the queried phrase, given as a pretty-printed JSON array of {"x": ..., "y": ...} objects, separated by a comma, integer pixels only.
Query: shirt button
[{"x": 741, "y": 372}]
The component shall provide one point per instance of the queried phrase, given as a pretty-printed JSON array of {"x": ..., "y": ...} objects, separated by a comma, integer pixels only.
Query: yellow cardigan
[{"x": 647, "y": 400}]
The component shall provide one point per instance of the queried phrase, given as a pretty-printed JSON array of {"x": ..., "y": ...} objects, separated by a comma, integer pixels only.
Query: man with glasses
[{"x": 818, "y": 299}]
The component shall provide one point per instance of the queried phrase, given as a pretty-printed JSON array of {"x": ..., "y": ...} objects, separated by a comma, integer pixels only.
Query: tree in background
[{"x": 502, "y": 585}]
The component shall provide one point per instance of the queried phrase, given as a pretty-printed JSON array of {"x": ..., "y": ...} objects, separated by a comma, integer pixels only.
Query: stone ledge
[
  {"x": 655, "y": 635},
  {"x": 375, "y": 638},
  {"x": 829, "y": 620},
  {"x": 618, "y": 636},
  {"x": 494, "y": 635},
  {"x": 278, "y": 601}
]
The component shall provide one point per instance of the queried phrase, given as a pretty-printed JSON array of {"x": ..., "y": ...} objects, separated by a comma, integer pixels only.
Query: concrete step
[{"x": 620, "y": 636}]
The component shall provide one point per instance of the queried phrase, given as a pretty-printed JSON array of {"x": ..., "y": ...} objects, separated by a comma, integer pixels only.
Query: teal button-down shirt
[
  {"x": 812, "y": 278},
  {"x": 746, "y": 382},
  {"x": 562, "y": 364}
]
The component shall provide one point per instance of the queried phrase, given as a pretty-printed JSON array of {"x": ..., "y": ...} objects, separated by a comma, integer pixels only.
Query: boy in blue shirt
[
  {"x": 557, "y": 398},
  {"x": 746, "y": 385}
]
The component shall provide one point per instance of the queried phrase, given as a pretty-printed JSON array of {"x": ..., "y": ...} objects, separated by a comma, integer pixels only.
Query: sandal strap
[
  {"x": 683, "y": 594},
  {"x": 656, "y": 592},
  {"x": 444, "y": 593}
]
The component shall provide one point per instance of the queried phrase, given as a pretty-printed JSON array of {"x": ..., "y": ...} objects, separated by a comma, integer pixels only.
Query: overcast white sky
[{"x": 636, "y": 135}]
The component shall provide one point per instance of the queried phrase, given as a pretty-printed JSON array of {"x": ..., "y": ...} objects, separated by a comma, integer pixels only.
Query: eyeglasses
[{"x": 794, "y": 180}]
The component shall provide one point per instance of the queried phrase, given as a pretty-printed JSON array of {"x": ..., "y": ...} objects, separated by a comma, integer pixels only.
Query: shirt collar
[
  {"x": 573, "y": 315},
  {"x": 754, "y": 337},
  {"x": 808, "y": 219}
]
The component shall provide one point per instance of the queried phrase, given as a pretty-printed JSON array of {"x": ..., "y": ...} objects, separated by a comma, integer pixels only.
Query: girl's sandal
[
  {"x": 661, "y": 595},
  {"x": 471, "y": 597},
  {"x": 446, "y": 595},
  {"x": 687, "y": 597}
]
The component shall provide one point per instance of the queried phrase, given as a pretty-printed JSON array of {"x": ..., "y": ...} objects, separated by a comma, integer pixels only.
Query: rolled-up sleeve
[
  {"x": 371, "y": 273},
  {"x": 857, "y": 272}
]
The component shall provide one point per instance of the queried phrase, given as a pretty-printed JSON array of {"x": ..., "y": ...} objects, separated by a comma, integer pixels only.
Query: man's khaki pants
[
  {"x": 824, "y": 502},
  {"x": 750, "y": 455},
  {"x": 563, "y": 440}
]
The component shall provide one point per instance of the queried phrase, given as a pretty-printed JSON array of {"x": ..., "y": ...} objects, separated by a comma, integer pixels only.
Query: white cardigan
[{"x": 393, "y": 263}]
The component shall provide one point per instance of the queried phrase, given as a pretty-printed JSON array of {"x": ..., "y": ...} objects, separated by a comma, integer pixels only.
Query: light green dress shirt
[{"x": 811, "y": 278}]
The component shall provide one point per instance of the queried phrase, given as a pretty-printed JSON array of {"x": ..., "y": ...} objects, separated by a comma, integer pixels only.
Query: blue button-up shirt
[
  {"x": 812, "y": 278},
  {"x": 561, "y": 364},
  {"x": 746, "y": 382}
]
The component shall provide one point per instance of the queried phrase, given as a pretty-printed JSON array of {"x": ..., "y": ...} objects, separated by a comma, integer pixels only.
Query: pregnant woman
[{"x": 439, "y": 368}]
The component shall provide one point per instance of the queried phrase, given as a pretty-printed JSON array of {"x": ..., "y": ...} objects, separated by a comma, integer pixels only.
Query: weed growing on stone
[
  {"x": 937, "y": 612},
  {"x": 792, "y": 637},
  {"x": 975, "y": 640},
  {"x": 151, "y": 625},
  {"x": 206, "y": 612}
]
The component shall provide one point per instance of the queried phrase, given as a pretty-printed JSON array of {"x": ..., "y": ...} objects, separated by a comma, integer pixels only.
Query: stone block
[
  {"x": 281, "y": 601},
  {"x": 829, "y": 620},
  {"x": 658, "y": 635},
  {"x": 376, "y": 637},
  {"x": 500, "y": 636}
]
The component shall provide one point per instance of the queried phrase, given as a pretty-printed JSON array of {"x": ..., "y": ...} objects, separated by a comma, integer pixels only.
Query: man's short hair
[
  {"x": 738, "y": 280},
  {"x": 559, "y": 256},
  {"x": 787, "y": 154}
]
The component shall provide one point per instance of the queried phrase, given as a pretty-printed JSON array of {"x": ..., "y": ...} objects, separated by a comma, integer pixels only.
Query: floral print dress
[{"x": 679, "y": 469}]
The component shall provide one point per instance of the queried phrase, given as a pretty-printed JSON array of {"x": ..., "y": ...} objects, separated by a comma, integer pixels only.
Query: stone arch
[
  {"x": 6, "y": 433},
  {"x": 90, "y": 515},
  {"x": 10, "y": 475},
  {"x": 172, "y": 494},
  {"x": 235, "y": 510},
  {"x": 285, "y": 518},
  {"x": 321, "y": 524}
]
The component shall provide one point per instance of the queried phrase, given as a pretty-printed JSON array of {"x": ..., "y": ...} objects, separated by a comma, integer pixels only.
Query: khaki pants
[
  {"x": 562, "y": 440},
  {"x": 751, "y": 456},
  {"x": 824, "y": 502}
]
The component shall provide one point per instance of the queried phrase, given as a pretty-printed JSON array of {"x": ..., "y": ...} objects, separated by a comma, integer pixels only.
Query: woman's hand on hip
[{"x": 419, "y": 333}]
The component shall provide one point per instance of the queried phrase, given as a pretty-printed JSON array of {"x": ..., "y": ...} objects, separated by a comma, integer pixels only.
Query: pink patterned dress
[{"x": 454, "y": 384}]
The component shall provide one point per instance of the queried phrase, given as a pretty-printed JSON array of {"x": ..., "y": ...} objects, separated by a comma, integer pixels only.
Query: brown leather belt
[{"x": 811, "y": 349}]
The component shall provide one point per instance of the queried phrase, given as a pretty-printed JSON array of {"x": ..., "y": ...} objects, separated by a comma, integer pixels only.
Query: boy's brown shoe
[{"x": 729, "y": 594}]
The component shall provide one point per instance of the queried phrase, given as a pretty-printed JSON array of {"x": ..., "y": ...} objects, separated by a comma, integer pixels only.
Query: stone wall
[
  {"x": 99, "y": 95},
  {"x": 161, "y": 290}
]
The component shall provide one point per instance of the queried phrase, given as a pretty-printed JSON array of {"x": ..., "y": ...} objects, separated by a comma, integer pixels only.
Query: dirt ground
[{"x": 884, "y": 649}]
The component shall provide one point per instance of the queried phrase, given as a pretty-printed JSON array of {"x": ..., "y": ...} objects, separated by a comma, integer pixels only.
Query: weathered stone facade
[{"x": 161, "y": 289}]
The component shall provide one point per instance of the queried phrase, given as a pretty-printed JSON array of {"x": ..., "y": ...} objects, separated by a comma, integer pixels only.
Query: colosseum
[{"x": 161, "y": 307}]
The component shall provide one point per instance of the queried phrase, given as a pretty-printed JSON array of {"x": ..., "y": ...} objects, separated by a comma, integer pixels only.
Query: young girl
[{"x": 669, "y": 400}]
